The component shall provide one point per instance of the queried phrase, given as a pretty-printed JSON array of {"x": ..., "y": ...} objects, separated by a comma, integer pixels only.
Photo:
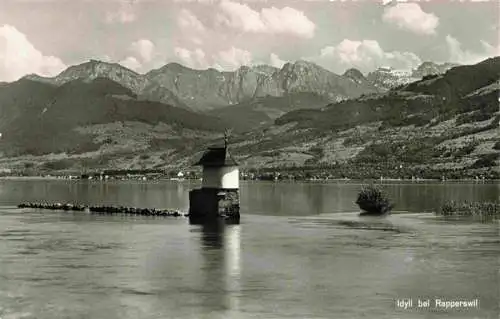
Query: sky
[{"x": 47, "y": 36}]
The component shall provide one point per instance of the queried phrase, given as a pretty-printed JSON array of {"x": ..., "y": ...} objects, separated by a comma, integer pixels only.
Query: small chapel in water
[{"x": 218, "y": 196}]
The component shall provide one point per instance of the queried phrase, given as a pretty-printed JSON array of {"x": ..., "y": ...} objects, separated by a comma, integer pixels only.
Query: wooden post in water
[{"x": 219, "y": 195}]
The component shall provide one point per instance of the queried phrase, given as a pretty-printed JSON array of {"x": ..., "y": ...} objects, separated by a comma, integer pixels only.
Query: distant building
[{"x": 5, "y": 171}]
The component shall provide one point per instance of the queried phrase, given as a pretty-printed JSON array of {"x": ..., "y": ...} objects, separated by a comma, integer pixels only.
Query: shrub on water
[
  {"x": 467, "y": 208},
  {"x": 373, "y": 200}
]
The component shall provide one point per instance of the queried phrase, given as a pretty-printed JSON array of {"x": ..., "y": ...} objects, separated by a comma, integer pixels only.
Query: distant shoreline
[
  {"x": 30, "y": 178},
  {"x": 413, "y": 181}
]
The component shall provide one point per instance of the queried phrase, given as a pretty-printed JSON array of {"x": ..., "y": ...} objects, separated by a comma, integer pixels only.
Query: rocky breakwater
[{"x": 105, "y": 210}]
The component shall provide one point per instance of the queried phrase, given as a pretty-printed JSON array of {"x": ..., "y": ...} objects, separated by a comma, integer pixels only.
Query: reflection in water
[
  {"x": 315, "y": 197},
  {"x": 233, "y": 265},
  {"x": 65, "y": 265},
  {"x": 292, "y": 199},
  {"x": 221, "y": 265},
  {"x": 212, "y": 235}
]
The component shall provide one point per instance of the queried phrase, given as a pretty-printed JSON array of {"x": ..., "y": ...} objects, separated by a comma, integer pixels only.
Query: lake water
[{"x": 301, "y": 251}]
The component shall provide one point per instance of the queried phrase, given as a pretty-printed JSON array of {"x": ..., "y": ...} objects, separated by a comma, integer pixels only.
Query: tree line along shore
[{"x": 296, "y": 173}]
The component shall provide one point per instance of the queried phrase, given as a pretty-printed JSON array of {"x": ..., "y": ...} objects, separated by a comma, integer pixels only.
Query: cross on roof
[
  {"x": 218, "y": 156},
  {"x": 226, "y": 137}
]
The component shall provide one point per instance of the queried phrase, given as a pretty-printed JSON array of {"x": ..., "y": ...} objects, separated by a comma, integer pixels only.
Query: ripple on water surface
[{"x": 316, "y": 258}]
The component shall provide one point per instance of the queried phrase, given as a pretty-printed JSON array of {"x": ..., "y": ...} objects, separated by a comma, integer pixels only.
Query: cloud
[
  {"x": 365, "y": 55},
  {"x": 232, "y": 59},
  {"x": 224, "y": 60},
  {"x": 269, "y": 20},
  {"x": 187, "y": 20},
  {"x": 409, "y": 16},
  {"x": 19, "y": 57},
  {"x": 191, "y": 30},
  {"x": 131, "y": 63},
  {"x": 458, "y": 55},
  {"x": 103, "y": 58},
  {"x": 144, "y": 49},
  {"x": 194, "y": 59},
  {"x": 196, "y": 40},
  {"x": 275, "y": 61},
  {"x": 124, "y": 14}
]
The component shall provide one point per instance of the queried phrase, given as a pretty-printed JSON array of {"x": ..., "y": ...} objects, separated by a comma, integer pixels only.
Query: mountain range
[
  {"x": 260, "y": 93},
  {"x": 387, "y": 78},
  {"x": 202, "y": 90},
  {"x": 444, "y": 121},
  {"x": 99, "y": 114},
  {"x": 40, "y": 118}
]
